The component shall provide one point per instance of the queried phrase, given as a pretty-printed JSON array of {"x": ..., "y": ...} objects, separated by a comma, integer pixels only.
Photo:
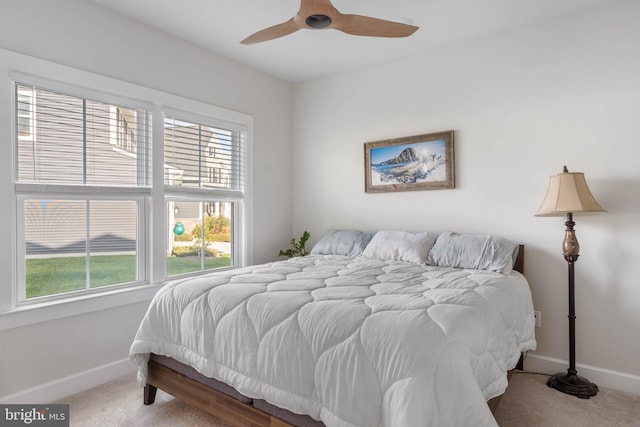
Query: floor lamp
[{"x": 567, "y": 194}]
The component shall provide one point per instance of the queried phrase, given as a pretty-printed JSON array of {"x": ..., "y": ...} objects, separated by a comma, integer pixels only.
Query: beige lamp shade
[{"x": 568, "y": 192}]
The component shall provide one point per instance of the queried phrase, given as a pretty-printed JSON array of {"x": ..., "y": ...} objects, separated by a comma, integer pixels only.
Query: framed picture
[{"x": 421, "y": 162}]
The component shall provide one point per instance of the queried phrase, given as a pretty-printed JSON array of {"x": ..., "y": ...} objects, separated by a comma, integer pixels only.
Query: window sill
[{"x": 51, "y": 310}]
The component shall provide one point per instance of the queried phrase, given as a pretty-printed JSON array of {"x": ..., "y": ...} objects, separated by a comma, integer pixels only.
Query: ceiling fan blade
[
  {"x": 273, "y": 32},
  {"x": 359, "y": 25}
]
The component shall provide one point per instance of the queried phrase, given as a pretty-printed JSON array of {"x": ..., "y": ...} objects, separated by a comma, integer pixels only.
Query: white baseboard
[
  {"x": 76, "y": 383},
  {"x": 602, "y": 377}
]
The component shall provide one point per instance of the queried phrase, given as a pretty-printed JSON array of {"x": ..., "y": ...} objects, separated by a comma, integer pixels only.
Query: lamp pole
[
  {"x": 571, "y": 247},
  {"x": 571, "y": 382}
]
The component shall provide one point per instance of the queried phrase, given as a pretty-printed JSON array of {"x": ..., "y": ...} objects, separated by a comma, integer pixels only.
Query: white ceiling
[{"x": 219, "y": 25}]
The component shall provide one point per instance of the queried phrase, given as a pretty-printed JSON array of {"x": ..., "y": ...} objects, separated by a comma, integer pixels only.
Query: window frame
[
  {"x": 76, "y": 82},
  {"x": 202, "y": 194},
  {"x": 71, "y": 191},
  {"x": 141, "y": 245}
]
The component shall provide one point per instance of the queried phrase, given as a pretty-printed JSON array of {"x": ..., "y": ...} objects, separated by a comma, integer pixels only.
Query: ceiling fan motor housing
[{"x": 318, "y": 21}]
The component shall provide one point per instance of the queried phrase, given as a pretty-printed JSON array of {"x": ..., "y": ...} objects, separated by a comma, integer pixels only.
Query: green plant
[
  {"x": 216, "y": 229},
  {"x": 297, "y": 248},
  {"x": 184, "y": 237},
  {"x": 191, "y": 251}
]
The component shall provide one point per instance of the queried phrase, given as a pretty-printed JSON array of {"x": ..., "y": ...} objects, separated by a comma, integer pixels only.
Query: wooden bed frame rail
[{"x": 217, "y": 404}]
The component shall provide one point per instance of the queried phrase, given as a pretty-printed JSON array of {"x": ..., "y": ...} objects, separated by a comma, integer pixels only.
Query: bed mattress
[{"x": 349, "y": 341}]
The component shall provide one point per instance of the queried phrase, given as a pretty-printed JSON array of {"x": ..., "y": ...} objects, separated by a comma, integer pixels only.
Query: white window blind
[
  {"x": 204, "y": 156},
  {"x": 78, "y": 141}
]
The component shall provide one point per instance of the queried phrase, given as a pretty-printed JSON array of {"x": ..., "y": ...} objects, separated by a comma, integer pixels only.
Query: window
[
  {"x": 79, "y": 199},
  {"x": 24, "y": 113},
  {"x": 207, "y": 160},
  {"x": 74, "y": 245},
  {"x": 201, "y": 236},
  {"x": 125, "y": 136},
  {"x": 99, "y": 208}
]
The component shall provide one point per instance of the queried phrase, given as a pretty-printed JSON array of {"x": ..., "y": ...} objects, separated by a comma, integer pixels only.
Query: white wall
[
  {"x": 87, "y": 37},
  {"x": 522, "y": 104}
]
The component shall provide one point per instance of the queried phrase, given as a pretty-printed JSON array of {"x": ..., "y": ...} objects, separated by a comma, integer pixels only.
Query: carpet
[{"x": 528, "y": 402}]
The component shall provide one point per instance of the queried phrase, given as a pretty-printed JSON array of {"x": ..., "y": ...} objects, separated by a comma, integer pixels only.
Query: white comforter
[{"x": 349, "y": 341}]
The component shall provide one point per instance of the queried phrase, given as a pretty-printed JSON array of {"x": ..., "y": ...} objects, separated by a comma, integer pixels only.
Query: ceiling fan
[{"x": 321, "y": 14}]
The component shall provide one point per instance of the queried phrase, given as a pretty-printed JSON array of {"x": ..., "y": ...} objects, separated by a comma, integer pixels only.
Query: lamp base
[{"x": 571, "y": 383}]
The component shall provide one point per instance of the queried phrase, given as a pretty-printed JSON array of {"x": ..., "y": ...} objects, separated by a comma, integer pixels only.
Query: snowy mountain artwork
[{"x": 413, "y": 163}]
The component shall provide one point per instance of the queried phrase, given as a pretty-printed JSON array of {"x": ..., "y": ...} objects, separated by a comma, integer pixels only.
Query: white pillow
[
  {"x": 473, "y": 251},
  {"x": 342, "y": 242},
  {"x": 400, "y": 246}
]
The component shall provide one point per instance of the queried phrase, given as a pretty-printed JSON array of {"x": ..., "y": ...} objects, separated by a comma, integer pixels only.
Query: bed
[{"x": 390, "y": 328}]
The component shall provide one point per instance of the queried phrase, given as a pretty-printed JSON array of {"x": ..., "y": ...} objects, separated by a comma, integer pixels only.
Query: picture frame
[{"x": 420, "y": 162}]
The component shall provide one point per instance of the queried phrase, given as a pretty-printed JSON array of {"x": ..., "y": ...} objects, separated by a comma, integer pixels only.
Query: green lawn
[
  {"x": 179, "y": 265},
  {"x": 48, "y": 276}
]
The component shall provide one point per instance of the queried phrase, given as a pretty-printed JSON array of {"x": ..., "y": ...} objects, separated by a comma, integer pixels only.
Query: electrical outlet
[{"x": 538, "y": 316}]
